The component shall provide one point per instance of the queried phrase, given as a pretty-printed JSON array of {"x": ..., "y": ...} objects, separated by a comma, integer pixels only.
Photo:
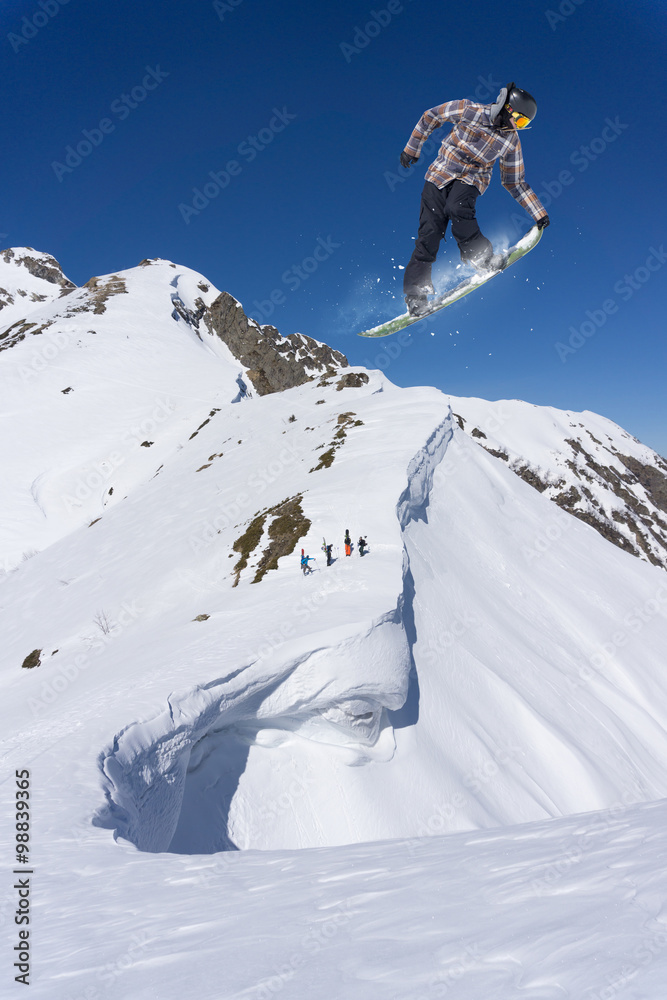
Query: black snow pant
[{"x": 455, "y": 202}]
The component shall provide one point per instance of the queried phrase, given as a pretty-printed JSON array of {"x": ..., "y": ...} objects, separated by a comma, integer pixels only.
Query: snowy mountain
[
  {"x": 586, "y": 464},
  {"x": 192, "y": 708},
  {"x": 28, "y": 280}
]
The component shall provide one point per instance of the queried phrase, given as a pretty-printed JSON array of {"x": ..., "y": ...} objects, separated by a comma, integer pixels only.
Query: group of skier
[{"x": 362, "y": 546}]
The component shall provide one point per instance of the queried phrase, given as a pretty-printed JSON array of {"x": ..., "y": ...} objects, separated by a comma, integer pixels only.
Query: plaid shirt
[{"x": 470, "y": 150}]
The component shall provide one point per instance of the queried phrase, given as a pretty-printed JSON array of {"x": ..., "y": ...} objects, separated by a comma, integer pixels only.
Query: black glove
[
  {"x": 407, "y": 160},
  {"x": 543, "y": 222}
]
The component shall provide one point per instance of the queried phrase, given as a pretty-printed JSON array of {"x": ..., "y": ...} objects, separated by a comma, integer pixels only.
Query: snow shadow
[
  {"x": 169, "y": 782},
  {"x": 215, "y": 769},
  {"x": 408, "y": 715}
]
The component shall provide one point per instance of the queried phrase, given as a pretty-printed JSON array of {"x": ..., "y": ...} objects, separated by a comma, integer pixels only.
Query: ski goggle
[{"x": 519, "y": 120}]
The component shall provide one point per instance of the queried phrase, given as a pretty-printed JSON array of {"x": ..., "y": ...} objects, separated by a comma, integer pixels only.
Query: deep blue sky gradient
[{"x": 323, "y": 176}]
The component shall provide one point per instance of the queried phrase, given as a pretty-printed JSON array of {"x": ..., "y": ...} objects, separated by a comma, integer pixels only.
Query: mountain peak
[
  {"x": 39, "y": 265},
  {"x": 273, "y": 362}
]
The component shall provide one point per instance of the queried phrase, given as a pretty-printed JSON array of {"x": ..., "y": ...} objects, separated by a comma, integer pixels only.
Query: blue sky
[{"x": 301, "y": 111}]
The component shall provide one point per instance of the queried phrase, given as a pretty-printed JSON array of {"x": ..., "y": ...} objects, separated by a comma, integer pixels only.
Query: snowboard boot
[
  {"x": 417, "y": 304},
  {"x": 488, "y": 262}
]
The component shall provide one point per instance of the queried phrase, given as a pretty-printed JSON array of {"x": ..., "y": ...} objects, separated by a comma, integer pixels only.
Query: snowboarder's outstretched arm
[
  {"x": 512, "y": 175},
  {"x": 429, "y": 121}
]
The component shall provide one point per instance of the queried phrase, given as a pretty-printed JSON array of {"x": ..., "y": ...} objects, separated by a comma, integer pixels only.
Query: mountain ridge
[{"x": 622, "y": 495}]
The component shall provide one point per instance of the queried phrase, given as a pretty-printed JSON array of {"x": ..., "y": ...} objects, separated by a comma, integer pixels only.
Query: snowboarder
[
  {"x": 305, "y": 568},
  {"x": 482, "y": 134},
  {"x": 348, "y": 543},
  {"x": 362, "y": 545},
  {"x": 327, "y": 549}
]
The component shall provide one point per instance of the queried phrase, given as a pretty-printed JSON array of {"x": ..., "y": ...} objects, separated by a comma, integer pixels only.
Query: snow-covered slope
[
  {"x": 28, "y": 280},
  {"x": 168, "y": 673},
  {"x": 585, "y": 463},
  {"x": 109, "y": 382}
]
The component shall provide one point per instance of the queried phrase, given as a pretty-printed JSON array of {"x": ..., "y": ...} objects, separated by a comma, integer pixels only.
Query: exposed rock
[
  {"x": 32, "y": 659},
  {"x": 636, "y": 526},
  {"x": 652, "y": 478},
  {"x": 530, "y": 476},
  {"x": 343, "y": 422},
  {"x": 497, "y": 454},
  {"x": 353, "y": 380},
  {"x": 623, "y": 496},
  {"x": 15, "y": 333},
  {"x": 273, "y": 362},
  {"x": 288, "y": 525},
  {"x": 44, "y": 266},
  {"x": 100, "y": 291}
]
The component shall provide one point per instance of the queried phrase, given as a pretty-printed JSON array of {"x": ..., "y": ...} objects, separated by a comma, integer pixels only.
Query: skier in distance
[
  {"x": 482, "y": 134},
  {"x": 348, "y": 543}
]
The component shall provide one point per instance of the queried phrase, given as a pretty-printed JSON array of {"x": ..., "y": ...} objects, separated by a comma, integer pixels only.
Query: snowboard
[{"x": 524, "y": 246}]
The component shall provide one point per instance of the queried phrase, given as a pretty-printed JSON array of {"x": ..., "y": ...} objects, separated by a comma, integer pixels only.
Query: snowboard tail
[{"x": 524, "y": 246}]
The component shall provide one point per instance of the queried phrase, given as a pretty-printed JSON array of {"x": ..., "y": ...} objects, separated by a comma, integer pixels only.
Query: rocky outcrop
[
  {"x": 17, "y": 332},
  {"x": 43, "y": 266},
  {"x": 623, "y": 496},
  {"x": 273, "y": 362},
  {"x": 626, "y": 506}
]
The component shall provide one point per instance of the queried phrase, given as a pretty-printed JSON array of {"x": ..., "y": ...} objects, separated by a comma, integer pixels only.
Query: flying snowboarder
[{"x": 482, "y": 134}]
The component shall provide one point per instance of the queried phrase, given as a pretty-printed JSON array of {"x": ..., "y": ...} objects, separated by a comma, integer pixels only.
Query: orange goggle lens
[{"x": 520, "y": 120}]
